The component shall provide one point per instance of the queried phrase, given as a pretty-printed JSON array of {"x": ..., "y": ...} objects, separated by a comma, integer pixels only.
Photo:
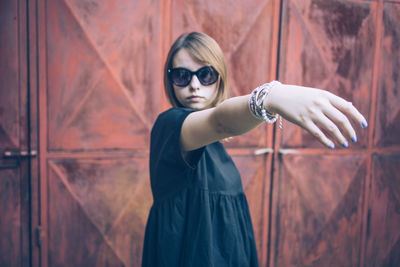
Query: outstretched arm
[{"x": 312, "y": 109}]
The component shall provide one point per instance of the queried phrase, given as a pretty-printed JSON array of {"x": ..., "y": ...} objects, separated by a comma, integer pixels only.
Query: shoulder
[
  {"x": 173, "y": 113},
  {"x": 172, "y": 117}
]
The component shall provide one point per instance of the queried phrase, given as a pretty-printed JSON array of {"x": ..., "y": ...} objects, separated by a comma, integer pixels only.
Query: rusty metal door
[
  {"x": 89, "y": 82},
  {"x": 100, "y": 91},
  {"x": 15, "y": 152},
  {"x": 340, "y": 207}
]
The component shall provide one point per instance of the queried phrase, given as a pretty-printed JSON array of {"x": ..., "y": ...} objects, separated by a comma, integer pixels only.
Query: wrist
[
  {"x": 256, "y": 102},
  {"x": 270, "y": 99}
]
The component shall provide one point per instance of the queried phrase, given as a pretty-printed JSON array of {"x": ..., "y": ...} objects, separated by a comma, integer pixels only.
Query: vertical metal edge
[
  {"x": 31, "y": 35},
  {"x": 368, "y": 177},
  {"x": 24, "y": 142},
  {"x": 274, "y": 132},
  {"x": 166, "y": 36},
  {"x": 41, "y": 84}
]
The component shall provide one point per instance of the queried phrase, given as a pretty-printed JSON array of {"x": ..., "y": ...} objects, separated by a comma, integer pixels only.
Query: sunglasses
[{"x": 182, "y": 77}]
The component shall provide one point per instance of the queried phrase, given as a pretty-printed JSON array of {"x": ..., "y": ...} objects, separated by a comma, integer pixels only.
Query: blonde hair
[{"x": 204, "y": 50}]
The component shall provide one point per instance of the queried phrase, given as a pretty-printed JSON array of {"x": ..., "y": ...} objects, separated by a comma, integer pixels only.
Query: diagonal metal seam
[
  {"x": 125, "y": 39},
  {"x": 308, "y": 28},
  {"x": 145, "y": 122},
  {"x": 329, "y": 218},
  {"x": 124, "y": 209},
  {"x": 78, "y": 107},
  {"x": 389, "y": 252},
  {"x": 298, "y": 189},
  {"x": 255, "y": 173},
  {"x": 61, "y": 176},
  {"x": 249, "y": 28},
  {"x": 302, "y": 194},
  {"x": 243, "y": 38}
]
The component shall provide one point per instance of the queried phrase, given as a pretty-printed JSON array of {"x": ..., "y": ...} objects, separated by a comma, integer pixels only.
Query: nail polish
[
  {"x": 354, "y": 139},
  {"x": 364, "y": 124},
  {"x": 332, "y": 146},
  {"x": 345, "y": 144}
]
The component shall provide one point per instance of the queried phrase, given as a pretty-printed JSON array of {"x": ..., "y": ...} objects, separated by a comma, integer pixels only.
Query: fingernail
[
  {"x": 364, "y": 124},
  {"x": 354, "y": 139},
  {"x": 345, "y": 144},
  {"x": 332, "y": 146}
]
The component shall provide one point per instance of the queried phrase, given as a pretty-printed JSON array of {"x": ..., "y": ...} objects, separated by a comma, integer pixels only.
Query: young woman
[{"x": 200, "y": 215}]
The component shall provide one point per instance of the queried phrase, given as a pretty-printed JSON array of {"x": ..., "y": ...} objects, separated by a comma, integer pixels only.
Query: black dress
[{"x": 200, "y": 215}]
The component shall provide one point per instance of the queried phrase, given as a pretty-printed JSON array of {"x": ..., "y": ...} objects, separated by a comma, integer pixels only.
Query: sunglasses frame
[{"x": 191, "y": 75}]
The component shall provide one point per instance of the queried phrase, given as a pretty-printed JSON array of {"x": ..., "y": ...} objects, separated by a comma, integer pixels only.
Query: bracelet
[{"x": 256, "y": 103}]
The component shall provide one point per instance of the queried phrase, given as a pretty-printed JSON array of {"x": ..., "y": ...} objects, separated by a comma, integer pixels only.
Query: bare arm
[
  {"x": 230, "y": 118},
  {"x": 312, "y": 109}
]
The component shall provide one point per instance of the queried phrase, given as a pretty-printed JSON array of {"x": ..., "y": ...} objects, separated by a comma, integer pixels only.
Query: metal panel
[
  {"x": 317, "y": 210},
  {"x": 97, "y": 211},
  {"x": 14, "y": 171},
  {"x": 101, "y": 93},
  {"x": 387, "y": 130},
  {"x": 318, "y": 207},
  {"x": 383, "y": 232},
  {"x": 328, "y": 45},
  {"x": 382, "y": 246}
]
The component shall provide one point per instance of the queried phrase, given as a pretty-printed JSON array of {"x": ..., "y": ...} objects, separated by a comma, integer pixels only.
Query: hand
[{"x": 316, "y": 110}]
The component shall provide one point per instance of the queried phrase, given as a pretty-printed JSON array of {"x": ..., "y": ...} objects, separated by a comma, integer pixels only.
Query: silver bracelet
[{"x": 256, "y": 103}]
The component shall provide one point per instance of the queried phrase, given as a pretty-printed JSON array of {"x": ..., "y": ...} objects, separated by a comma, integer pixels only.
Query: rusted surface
[
  {"x": 352, "y": 49},
  {"x": 256, "y": 185},
  {"x": 103, "y": 92},
  {"x": 9, "y": 83},
  {"x": 99, "y": 78},
  {"x": 383, "y": 232},
  {"x": 387, "y": 129},
  {"x": 105, "y": 200},
  {"x": 316, "y": 218},
  {"x": 383, "y": 214},
  {"x": 100, "y": 59},
  {"x": 328, "y": 45},
  {"x": 14, "y": 197}
]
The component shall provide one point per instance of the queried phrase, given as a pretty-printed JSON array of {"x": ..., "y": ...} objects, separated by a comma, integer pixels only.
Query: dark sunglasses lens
[
  {"x": 180, "y": 77},
  {"x": 207, "y": 75}
]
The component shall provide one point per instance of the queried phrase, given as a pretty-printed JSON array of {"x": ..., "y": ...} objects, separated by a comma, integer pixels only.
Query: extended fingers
[
  {"x": 341, "y": 121},
  {"x": 347, "y": 108},
  {"x": 330, "y": 127},
  {"x": 317, "y": 133}
]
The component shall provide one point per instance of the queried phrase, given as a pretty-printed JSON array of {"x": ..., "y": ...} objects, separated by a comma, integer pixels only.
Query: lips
[{"x": 194, "y": 98}]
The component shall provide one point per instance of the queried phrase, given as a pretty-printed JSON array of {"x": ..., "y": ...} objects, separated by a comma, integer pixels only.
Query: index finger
[{"x": 348, "y": 108}]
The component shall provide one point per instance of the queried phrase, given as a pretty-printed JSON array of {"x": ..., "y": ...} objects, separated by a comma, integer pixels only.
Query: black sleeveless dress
[{"x": 200, "y": 215}]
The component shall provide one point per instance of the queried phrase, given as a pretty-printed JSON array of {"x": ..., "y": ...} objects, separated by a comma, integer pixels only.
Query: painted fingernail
[
  {"x": 354, "y": 139},
  {"x": 364, "y": 124},
  {"x": 332, "y": 146},
  {"x": 345, "y": 144}
]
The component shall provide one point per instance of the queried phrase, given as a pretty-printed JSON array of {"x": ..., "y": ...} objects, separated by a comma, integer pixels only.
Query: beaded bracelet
[{"x": 256, "y": 103}]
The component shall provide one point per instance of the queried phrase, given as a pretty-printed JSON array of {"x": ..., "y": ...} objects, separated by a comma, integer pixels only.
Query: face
[{"x": 194, "y": 95}]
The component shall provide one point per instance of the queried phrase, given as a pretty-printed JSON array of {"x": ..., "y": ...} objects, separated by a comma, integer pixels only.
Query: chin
[{"x": 196, "y": 106}]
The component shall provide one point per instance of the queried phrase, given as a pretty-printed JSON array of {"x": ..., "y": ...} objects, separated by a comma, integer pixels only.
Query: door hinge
[{"x": 39, "y": 235}]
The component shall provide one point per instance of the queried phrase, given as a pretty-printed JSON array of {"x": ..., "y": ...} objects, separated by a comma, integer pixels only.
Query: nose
[{"x": 195, "y": 83}]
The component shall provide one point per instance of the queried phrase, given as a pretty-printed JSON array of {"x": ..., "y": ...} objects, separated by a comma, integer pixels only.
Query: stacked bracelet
[{"x": 256, "y": 102}]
